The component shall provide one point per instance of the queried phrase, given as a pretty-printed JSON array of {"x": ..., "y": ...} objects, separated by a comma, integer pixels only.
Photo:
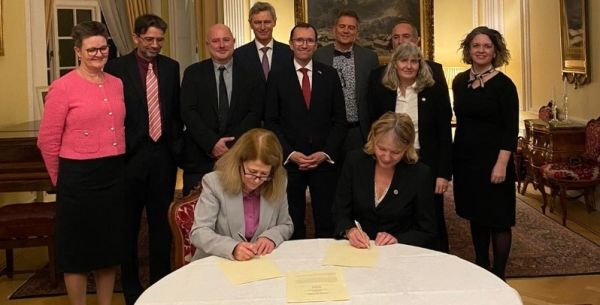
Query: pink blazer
[{"x": 82, "y": 120}]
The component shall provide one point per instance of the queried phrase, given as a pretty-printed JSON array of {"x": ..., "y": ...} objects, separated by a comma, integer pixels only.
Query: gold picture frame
[
  {"x": 378, "y": 36},
  {"x": 1, "y": 32},
  {"x": 574, "y": 41}
]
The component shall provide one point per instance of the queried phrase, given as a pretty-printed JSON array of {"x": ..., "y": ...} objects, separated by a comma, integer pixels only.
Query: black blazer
[
  {"x": 136, "y": 117},
  {"x": 199, "y": 110},
  {"x": 435, "y": 114},
  {"x": 248, "y": 56},
  {"x": 407, "y": 210},
  {"x": 323, "y": 127}
]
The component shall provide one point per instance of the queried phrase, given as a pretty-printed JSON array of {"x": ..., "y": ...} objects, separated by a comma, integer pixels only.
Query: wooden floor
[{"x": 571, "y": 290}]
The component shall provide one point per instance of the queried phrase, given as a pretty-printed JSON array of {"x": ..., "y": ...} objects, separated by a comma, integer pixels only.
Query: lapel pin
[
  {"x": 319, "y": 71},
  {"x": 395, "y": 192},
  {"x": 423, "y": 99}
]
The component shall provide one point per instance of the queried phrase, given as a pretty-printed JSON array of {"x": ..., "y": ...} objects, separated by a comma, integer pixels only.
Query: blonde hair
[
  {"x": 255, "y": 144},
  {"x": 403, "y": 129},
  {"x": 390, "y": 78}
]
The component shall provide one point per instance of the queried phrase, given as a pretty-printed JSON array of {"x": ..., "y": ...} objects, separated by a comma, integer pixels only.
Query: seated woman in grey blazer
[
  {"x": 386, "y": 190},
  {"x": 243, "y": 210}
]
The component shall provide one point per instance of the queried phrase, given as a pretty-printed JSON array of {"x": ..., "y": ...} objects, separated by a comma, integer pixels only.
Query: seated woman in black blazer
[{"x": 386, "y": 190}]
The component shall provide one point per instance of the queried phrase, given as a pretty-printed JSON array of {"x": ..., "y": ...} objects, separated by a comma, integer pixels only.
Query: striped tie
[{"x": 154, "y": 127}]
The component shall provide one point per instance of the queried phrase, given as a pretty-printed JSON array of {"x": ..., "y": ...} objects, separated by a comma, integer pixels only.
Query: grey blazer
[
  {"x": 365, "y": 61},
  {"x": 219, "y": 217}
]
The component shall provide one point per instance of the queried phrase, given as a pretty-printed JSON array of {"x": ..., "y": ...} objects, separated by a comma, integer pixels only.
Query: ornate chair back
[{"x": 181, "y": 219}]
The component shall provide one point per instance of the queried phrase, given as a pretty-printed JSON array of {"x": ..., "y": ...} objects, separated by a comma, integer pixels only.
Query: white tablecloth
[{"x": 404, "y": 275}]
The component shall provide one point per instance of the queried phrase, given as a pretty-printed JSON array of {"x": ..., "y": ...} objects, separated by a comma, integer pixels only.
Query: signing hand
[
  {"x": 244, "y": 251},
  {"x": 220, "y": 147},
  {"x": 441, "y": 185},
  {"x": 264, "y": 246},
  {"x": 384, "y": 238},
  {"x": 357, "y": 239}
]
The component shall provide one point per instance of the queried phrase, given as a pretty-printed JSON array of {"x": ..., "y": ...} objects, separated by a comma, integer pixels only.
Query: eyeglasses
[
  {"x": 150, "y": 40},
  {"x": 94, "y": 51},
  {"x": 301, "y": 41},
  {"x": 255, "y": 176}
]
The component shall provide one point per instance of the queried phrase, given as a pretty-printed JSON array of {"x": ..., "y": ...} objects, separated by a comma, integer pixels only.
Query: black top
[
  {"x": 486, "y": 122},
  {"x": 406, "y": 211}
]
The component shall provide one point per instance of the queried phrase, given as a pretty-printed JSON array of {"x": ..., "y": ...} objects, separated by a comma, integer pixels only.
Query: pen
[
  {"x": 246, "y": 240},
  {"x": 242, "y": 237},
  {"x": 362, "y": 232}
]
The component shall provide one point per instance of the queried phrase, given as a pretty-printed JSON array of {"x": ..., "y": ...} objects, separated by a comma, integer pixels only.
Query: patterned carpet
[{"x": 541, "y": 247}]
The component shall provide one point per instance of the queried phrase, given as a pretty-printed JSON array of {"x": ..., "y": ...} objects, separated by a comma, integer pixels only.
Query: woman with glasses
[
  {"x": 243, "y": 210},
  {"x": 82, "y": 141}
]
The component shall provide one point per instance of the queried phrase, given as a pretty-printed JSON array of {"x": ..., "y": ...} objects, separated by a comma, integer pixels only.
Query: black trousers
[
  {"x": 150, "y": 176},
  {"x": 322, "y": 183}
]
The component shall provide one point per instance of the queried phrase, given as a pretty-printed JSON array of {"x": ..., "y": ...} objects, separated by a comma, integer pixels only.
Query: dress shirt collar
[
  {"x": 260, "y": 45},
  {"x": 227, "y": 66},
  {"x": 351, "y": 49},
  {"x": 308, "y": 66}
]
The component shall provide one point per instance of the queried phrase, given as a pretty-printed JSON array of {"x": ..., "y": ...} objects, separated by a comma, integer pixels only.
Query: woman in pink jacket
[{"x": 82, "y": 141}]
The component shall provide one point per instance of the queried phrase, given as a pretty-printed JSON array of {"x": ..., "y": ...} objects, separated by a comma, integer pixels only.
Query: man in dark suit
[
  {"x": 263, "y": 54},
  {"x": 353, "y": 64},
  {"x": 405, "y": 32},
  {"x": 153, "y": 131},
  {"x": 305, "y": 108},
  {"x": 220, "y": 100}
]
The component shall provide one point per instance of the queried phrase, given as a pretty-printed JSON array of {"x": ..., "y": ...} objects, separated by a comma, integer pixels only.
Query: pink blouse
[
  {"x": 82, "y": 120},
  {"x": 251, "y": 213}
]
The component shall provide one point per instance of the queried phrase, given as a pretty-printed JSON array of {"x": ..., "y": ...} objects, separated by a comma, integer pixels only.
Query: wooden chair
[
  {"x": 181, "y": 219},
  {"x": 28, "y": 225},
  {"x": 581, "y": 173}
]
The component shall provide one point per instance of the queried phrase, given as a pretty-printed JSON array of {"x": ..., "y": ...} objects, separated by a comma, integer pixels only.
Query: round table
[{"x": 403, "y": 275}]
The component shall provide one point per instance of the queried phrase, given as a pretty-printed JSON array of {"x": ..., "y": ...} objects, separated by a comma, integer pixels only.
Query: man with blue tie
[
  {"x": 263, "y": 53},
  {"x": 305, "y": 108}
]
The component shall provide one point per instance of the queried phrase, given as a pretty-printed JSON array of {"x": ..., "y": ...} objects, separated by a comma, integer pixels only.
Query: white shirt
[
  {"x": 308, "y": 66},
  {"x": 409, "y": 104},
  {"x": 269, "y": 52}
]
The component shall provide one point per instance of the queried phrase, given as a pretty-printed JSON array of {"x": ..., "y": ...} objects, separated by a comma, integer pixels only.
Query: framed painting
[
  {"x": 377, "y": 17},
  {"x": 574, "y": 41}
]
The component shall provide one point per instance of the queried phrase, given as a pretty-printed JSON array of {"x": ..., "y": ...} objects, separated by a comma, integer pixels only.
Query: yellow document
[
  {"x": 316, "y": 286},
  {"x": 343, "y": 254},
  {"x": 256, "y": 269}
]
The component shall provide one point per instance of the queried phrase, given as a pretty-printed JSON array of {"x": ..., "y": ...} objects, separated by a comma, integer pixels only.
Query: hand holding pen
[
  {"x": 244, "y": 250},
  {"x": 357, "y": 237}
]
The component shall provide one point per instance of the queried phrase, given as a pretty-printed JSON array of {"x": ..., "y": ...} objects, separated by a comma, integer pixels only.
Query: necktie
[
  {"x": 154, "y": 125},
  {"x": 347, "y": 54},
  {"x": 223, "y": 101},
  {"x": 265, "y": 61},
  {"x": 305, "y": 86}
]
